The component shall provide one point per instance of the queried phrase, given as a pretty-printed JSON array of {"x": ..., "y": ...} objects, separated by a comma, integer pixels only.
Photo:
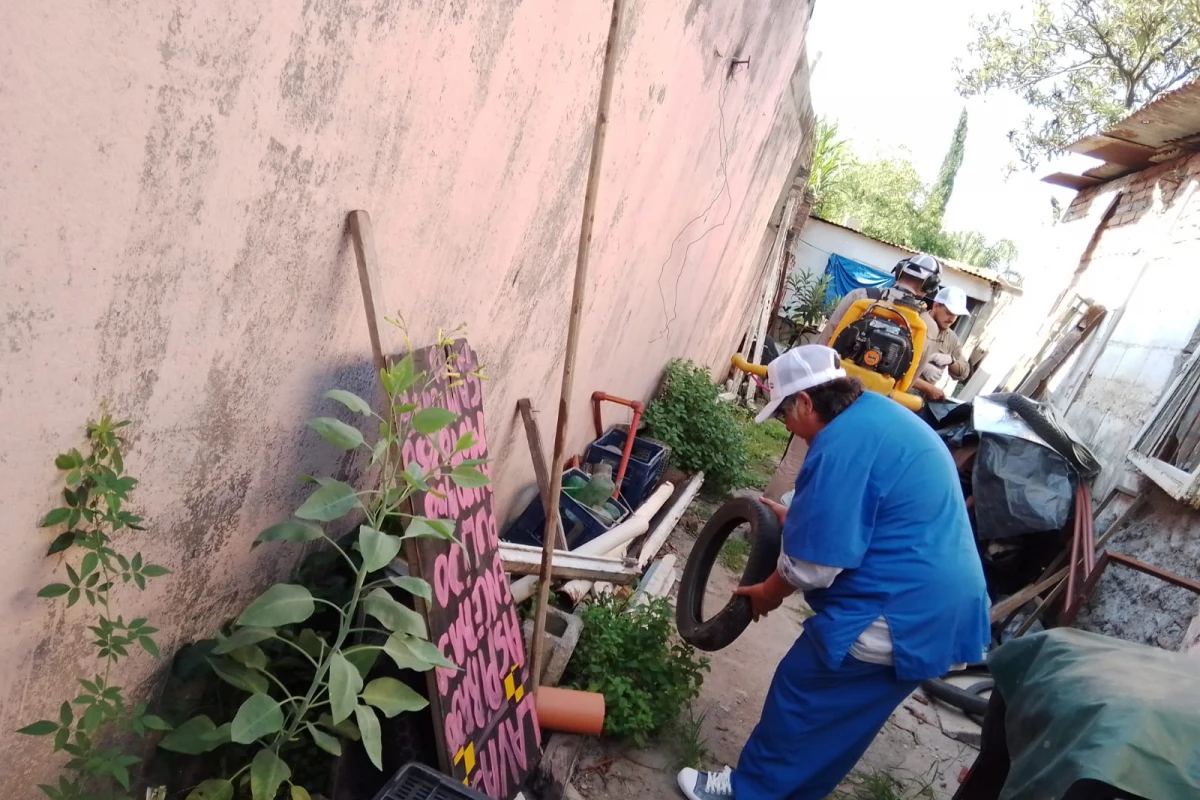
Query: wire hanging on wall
[{"x": 670, "y": 316}]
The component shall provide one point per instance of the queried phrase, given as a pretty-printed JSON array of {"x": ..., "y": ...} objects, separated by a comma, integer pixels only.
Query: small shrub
[
  {"x": 704, "y": 433},
  {"x": 632, "y": 657}
]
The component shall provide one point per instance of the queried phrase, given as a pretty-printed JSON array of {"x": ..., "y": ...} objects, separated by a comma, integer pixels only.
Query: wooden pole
[
  {"x": 538, "y": 454},
  {"x": 568, "y": 375},
  {"x": 772, "y": 279}
]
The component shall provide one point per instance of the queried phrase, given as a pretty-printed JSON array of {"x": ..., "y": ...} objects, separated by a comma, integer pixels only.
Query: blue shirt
[{"x": 879, "y": 497}]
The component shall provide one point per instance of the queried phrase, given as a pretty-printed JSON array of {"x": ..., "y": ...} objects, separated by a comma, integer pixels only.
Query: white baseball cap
[
  {"x": 798, "y": 370},
  {"x": 954, "y": 299}
]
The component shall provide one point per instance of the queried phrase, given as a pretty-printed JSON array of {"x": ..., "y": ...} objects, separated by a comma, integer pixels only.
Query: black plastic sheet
[{"x": 1020, "y": 487}]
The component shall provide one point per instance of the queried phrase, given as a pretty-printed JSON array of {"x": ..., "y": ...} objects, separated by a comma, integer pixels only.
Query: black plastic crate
[
  {"x": 419, "y": 782},
  {"x": 579, "y": 523},
  {"x": 647, "y": 462}
]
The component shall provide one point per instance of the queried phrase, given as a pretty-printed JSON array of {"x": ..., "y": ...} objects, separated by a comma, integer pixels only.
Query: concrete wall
[
  {"x": 819, "y": 239},
  {"x": 1138, "y": 265},
  {"x": 1141, "y": 265},
  {"x": 174, "y": 181}
]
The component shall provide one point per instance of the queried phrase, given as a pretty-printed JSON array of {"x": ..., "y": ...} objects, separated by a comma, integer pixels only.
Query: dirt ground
[{"x": 921, "y": 761}]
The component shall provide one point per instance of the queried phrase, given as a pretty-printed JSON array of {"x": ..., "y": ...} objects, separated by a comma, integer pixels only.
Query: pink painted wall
[{"x": 174, "y": 182}]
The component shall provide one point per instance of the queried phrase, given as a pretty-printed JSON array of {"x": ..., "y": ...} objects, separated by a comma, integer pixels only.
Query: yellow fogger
[{"x": 880, "y": 343}]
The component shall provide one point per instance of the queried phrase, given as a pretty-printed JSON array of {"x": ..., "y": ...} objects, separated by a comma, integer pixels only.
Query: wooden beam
[
  {"x": 520, "y": 559},
  {"x": 540, "y": 471},
  {"x": 1013, "y": 603},
  {"x": 553, "y": 774},
  {"x": 363, "y": 236}
]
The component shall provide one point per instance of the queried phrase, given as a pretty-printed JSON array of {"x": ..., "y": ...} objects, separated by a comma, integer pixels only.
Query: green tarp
[{"x": 1089, "y": 707}]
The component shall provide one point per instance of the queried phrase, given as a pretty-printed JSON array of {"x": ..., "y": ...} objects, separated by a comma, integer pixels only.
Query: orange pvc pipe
[
  {"x": 638, "y": 409},
  {"x": 570, "y": 711}
]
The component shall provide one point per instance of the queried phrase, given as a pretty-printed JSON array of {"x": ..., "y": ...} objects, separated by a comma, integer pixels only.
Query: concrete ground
[{"x": 912, "y": 757}]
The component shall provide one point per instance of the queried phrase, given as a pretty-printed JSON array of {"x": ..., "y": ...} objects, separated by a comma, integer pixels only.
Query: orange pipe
[
  {"x": 638, "y": 409},
  {"x": 570, "y": 711}
]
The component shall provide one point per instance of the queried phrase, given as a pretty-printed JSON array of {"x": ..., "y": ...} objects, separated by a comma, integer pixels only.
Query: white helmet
[{"x": 923, "y": 267}]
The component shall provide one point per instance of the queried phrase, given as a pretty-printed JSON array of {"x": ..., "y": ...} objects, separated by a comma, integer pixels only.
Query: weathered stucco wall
[
  {"x": 175, "y": 179},
  {"x": 1119, "y": 375},
  {"x": 1116, "y": 381}
]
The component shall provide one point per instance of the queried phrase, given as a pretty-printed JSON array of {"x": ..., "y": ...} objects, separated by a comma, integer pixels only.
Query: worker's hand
[
  {"x": 941, "y": 359},
  {"x": 779, "y": 508},
  {"x": 762, "y": 600},
  {"x": 927, "y": 389}
]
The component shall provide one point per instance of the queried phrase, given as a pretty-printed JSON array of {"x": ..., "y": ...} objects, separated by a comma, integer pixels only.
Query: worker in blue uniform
[{"x": 877, "y": 538}]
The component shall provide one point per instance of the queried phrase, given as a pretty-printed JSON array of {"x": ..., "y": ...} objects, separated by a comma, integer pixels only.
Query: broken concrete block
[{"x": 562, "y": 634}]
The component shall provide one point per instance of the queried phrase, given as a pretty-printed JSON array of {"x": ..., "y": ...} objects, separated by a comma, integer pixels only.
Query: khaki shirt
[
  {"x": 891, "y": 294},
  {"x": 946, "y": 342}
]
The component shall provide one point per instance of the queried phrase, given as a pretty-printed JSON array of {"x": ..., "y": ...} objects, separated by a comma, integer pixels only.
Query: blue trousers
[{"x": 816, "y": 724}]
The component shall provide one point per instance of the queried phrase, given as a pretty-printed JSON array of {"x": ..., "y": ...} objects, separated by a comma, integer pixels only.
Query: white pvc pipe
[
  {"x": 662, "y": 531},
  {"x": 606, "y": 543}
]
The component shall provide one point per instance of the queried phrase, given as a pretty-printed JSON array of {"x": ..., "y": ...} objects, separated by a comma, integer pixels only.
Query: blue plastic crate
[
  {"x": 647, "y": 461},
  {"x": 580, "y": 523}
]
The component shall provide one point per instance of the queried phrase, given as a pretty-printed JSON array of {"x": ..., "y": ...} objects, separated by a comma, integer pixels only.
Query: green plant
[
  {"x": 830, "y": 154},
  {"x": 765, "y": 446},
  {"x": 689, "y": 739},
  {"x": 704, "y": 433},
  {"x": 884, "y": 786},
  {"x": 335, "y": 702},
  {"x": 733, "y": 554},
  {"x": 95, "y": 494},
  {"x": 809, "y": 302},
  {"x": 1080, "y": 65},
  {"x": 631, "y": 655}
]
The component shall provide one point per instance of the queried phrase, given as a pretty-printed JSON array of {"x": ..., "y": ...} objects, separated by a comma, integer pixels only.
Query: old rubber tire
[{"x": 730, "y": 621}]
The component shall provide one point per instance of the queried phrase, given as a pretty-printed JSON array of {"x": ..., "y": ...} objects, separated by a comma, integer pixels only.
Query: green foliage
[
  {"x": 302, "y": 684},
  {"x": 1081, "y": 65},
  {"x": 733, "y": 554},
  {"x": 690, "y": 744},
  {"x": 860, "y": 785},
  {"x": 830, "y": 154},
  {"x": 631, "y": 655},
  {"x": 704, "y": 433},
  {"x": 943, "y": 187},
  {"x": 766, "y": 444},
  {"x": 95, "y": 509},
  {"x": 809, "y": 303},
  {"x": 891, "y": 203}
]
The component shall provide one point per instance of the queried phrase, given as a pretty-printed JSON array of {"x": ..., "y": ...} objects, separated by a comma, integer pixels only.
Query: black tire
[
  {"x": 728, "y": 623},
  {"x": 966, "y": 700},
  {"x": 1043, "y": 424}
]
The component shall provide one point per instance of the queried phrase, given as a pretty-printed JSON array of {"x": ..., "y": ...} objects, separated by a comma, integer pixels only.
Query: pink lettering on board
[{"x": 486, "y": 704}]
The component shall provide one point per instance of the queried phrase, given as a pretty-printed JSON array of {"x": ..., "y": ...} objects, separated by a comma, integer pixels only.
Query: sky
[{"x": 885, "y": 72}]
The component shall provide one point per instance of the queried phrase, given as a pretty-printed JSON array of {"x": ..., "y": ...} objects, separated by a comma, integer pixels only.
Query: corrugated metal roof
[
  {"x": 1162, "y": 130},
  {"x": 989, "y": 275}
]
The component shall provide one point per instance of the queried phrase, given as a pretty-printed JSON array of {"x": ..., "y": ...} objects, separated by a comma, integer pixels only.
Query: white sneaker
[{"x": 699, "y": 785}]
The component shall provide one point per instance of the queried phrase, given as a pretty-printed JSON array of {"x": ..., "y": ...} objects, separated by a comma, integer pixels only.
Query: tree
[
  {"x": 890, "y": 202},
  {"x": 943, "y": 187},
  {"x": 971, "y": 247},
  {"x": 1082, "y": 65},
  {"x": 830, "y": 154}
]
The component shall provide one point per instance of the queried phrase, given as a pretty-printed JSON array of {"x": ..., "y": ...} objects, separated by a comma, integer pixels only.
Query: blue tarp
[{"x": 846, "y": 275}]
